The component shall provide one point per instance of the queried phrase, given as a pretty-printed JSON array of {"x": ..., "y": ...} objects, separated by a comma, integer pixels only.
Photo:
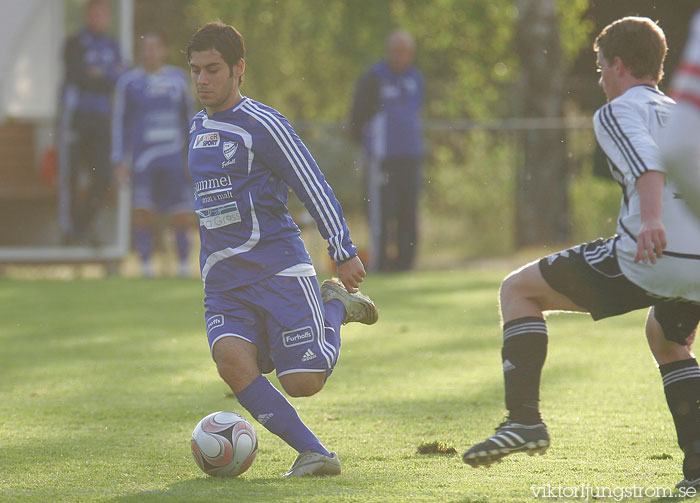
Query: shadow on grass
[
  {"x": 206, "y": 489},
  {"x": 268, "y": 490}
]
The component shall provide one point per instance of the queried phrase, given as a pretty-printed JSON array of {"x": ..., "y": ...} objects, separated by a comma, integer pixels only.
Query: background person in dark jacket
[
  {"x": 386, "y": 118},
  {"x": 92, "y": 66}
]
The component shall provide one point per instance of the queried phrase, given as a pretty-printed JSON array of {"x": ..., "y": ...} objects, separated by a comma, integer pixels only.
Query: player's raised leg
[
  {"x": 525, "y": 297},
  {"x": 668, "y": 328}
]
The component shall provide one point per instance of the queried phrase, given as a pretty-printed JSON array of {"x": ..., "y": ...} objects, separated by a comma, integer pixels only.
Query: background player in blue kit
[
  {"x": 263, "y": 306},
  {"x": 653, "y": 261},
  {"x": 92, "y": 66},
  {"x": 150, "y": 121}
]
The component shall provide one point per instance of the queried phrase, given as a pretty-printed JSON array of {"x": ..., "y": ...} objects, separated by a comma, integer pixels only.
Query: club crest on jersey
[
  {"x": 206, "y": 140},
  {"x": 230, "y": 148}
]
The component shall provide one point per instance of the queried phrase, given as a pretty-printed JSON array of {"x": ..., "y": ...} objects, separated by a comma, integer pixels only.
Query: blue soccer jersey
[
  {"x": 386, "y": 112},
  {"x": 151, "y": 115},
  {"x": 150, "y": 118},
  {"x": 243, "y": 161}
]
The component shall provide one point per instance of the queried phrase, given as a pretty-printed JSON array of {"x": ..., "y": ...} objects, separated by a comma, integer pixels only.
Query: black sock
[
  {"x": 682, "y": 387},
  {"x": 523, "y": 354}
]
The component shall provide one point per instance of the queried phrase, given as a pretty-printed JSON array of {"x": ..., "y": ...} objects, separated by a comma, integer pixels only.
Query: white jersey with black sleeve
[{"x": 628, "y": 130}]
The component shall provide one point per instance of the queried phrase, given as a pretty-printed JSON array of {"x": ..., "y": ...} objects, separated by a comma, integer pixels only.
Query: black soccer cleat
[
  {"x": 691, "y": 467},
  {"x": 688, "y": 484},
  {"x": 509, "y": 438}
]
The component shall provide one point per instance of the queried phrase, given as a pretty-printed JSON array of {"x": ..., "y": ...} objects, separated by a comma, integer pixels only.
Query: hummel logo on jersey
[
  {"x": 309, "y": 355},
  {"x": 194, "y": 126},
  {"x": 207, "y": 140},
  {"x": 507, "y": 366},
  {"x": 264, "y": 418}
]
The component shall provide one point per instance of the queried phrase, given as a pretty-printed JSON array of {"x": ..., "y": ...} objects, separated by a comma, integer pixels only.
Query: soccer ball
[{"x": 224, "y": 444}]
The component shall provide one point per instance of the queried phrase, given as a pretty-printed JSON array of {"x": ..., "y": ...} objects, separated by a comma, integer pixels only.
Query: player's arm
[
  {"x": 288, "y": 157},
  {"x": 624, "y": 137},
  {"x": 651, "y": 239}
]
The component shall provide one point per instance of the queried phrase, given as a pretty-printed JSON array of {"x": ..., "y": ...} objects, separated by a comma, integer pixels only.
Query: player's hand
[
  {"x": 122, "y": 174},
  {"x": 351, "y": 273},
  {"x": 651, "y": 241}
]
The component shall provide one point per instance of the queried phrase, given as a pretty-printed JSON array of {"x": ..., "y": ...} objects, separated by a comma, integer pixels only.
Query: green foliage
[
  {"x": 102, "y": 382},
  {"x": 596, "y": 204},
  {"x": 469, "y": 182},
  {"x": 576, "y": 31},
  {"x": 304, "y": 56}
]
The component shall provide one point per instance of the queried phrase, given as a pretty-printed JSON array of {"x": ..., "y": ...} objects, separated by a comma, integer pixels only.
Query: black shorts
[{"x": 590, "y": 276}]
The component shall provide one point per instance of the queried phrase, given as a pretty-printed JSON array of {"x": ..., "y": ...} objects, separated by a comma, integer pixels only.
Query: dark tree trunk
[{"x": 542, "y": 214}]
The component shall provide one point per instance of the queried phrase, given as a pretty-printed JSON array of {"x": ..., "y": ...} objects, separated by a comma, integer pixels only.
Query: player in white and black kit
[
  {"x": 680, "y": 147},
  {"x": 654, "y": 260}
]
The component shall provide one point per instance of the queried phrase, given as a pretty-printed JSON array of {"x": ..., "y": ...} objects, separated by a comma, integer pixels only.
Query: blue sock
[
  {"x": 182, "y": 243},
  {"x": 334, "y": 314},
  {"x": 143, "y": 243},
  {"x": 275, "y": 413}
]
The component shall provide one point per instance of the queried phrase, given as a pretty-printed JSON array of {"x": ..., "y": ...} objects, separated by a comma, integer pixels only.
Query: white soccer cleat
[
  {"x": 313, "y": 464},
  {"x": 358, "y": 307}
]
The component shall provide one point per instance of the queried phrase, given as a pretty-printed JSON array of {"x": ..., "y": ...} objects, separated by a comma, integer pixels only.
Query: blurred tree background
[{"x": 304, "y": 56}]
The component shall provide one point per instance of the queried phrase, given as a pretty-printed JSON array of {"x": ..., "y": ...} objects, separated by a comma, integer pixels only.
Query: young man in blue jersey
[
  {"x": 152, "y": 109},
  {"x": 92, "y": 66},
  {"x": 263, "y": 306},
  {"x": 653, "y": 261}
]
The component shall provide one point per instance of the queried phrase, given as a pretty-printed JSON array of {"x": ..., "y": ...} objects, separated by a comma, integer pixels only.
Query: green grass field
[{"x": 102, "y": 382}]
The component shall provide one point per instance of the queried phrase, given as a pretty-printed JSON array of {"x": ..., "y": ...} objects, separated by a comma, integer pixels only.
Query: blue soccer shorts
[
  {"x": 283, "y": 316},
  {"x": 162, "y": 186}
]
